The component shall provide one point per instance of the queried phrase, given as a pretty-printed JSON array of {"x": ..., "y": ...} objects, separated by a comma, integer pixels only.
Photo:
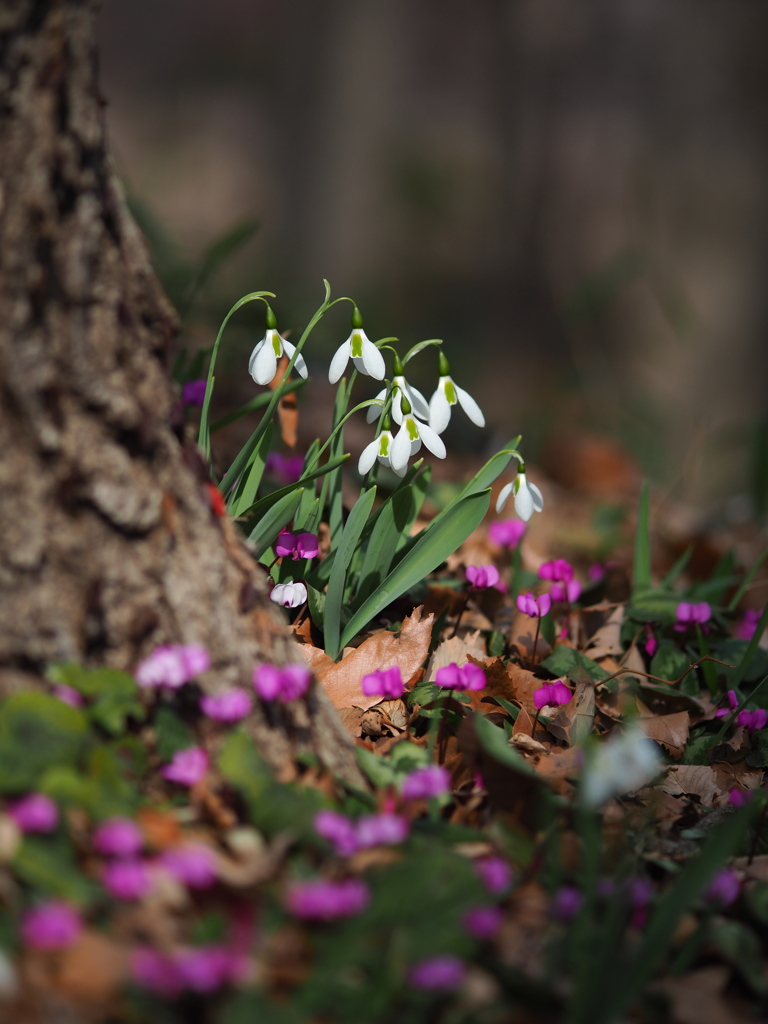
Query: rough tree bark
[{"x": 108, "y": 541}]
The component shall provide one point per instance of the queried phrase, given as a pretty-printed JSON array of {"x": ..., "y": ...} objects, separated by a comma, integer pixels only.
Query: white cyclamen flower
[
  {"x": 380, "y": 448},
  {"x": 361, "y": 350},
  {"x": 447, "y": 394},
  {"x": 619, "y": 766},
  {"x": 289, "y": 595},
  {"x": 528, "y": 497},
  {"x": 262, "y": 365},
  {"x": 409, "y": 439}
]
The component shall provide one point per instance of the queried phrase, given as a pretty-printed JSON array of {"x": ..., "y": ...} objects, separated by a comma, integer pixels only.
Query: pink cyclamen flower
[
  {"x": 506, "y": 533},
  {"x": 566, "y": 593},
  {"x": 566, "y": 903},
  {"x": 385, "y": 682},
  {"x": 739, "y": 797},
  {"x": 193, "y": 392},
  {"x": 208, "y": 968},
  {"x": 34, "y": 813},
  {"x": 296, "y": 545},
  {"x": 460, "y": 677},
  {"x": 483, "y": 922},
  {"x": 172, "y": 665},
  {"x": 733, "y": 703},
  {"x": 596, "y": 572},
  {"x": 289, "y": 595},
  {"x": 118, "y": 837},
  {"x": 481, "y": 577},
  {"x": 286, "y": 468},
  {"x": 688, "y": 614},
  {"x": 193, "y": 864},
  {"x": 381, "y": 830},
  {"x": 438, "y": 973},
  {"x": 495, "y": 874},
  {"x": 529, "y": 605},
  {"x": 283, "y": 684},
  {"x": 724, "y": 888},
  {"x": 187, "y": 767},
  {"x": 751, "y": 721},
  {"x": 746, "y": 628},
  {"x": 651, "y": 643},
  {"x": 157, "y": 972},
  {"x": 559, "y": 570},
  {"x": 339, "y": 830},
  {"x": 52, "y": 925},
  {"x": 126, "y": 879},
  {"x": 553, "y": 694},
  {"x": 228, "y": 706},
  {"x": 426, "y": 783},
  {"x": 68, "y": 695},
  {"x": 324, "y": 900}
]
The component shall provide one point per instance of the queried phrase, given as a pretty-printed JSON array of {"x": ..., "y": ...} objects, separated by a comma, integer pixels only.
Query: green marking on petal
[
  {"x": 384, "y": 445},
  {"x": 277, "y": 343},
  {"x": 450, "y": 392},
  {"x": 413, "y": 430},
  {"x": 357, "y": 345}
]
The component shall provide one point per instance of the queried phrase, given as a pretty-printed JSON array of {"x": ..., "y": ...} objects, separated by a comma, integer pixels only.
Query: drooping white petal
[
  {"x": 256, "y": 349},
  {"x": 368, "y": 457},
  {"x": 339, "y": 362},
  {"x": 431, "y": 440},
  {"x": 372, "y": 361},
  {"x": 439, "y": 411},
  {"x": 470, "y": 407},
  {"x": 419, "y": 404},
  {"x": 265, "y": 363},
  {"x": 400, "y": 451},
  {"x": 504, "y": 494},
  {"x": 537, "y": 497},
  {"x": 300, "y": 366},
  {"x": 523, "y": 501},
  {"x": 374, "y": 411}
]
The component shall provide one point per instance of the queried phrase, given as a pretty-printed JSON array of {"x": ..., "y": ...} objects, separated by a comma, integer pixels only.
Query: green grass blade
[
  {"x": 248, "y": 485},
  {"x": 439, "y": 540},
  {"x": 643, "y": 540},
  {"x": 346, "y": 549},
  {"x": 261, "y": 506},
  {"x": 677, "y": 568},
  {"x": 391, "y": 525},
  {"x": 270, "y": 524}
]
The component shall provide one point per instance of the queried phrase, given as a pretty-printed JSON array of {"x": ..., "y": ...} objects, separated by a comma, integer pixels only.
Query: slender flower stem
[
  {"x": 536, "y": 640},
  {"x": 461, "y": 612}
]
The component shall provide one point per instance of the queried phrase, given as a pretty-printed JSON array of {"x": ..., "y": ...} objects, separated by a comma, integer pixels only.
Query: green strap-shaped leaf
[
  {"x": 392, "y": 522},
  {"x": 346, "y": 549},
  {"x": 274, "y": 520},
  {"x": 248, "y": 484},
  {"x": 439, "y": 540},
  {"x": 260, "y": 508}
]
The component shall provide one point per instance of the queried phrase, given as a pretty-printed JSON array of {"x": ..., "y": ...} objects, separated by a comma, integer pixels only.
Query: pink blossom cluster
[
  {"x": 187, "y": 767},
  {"x": 438, "y": 973},
  {"x": 535, "y": 607},
  {"x": 324, "y": 900},
  {"x": 34, "y": 812},
  {"x": 126, "y": 876},
  {"x": 348, "y": 836},
  {"x": 51, "y": 925},
  {"x": 197, "y": 969},
  {"x": 724, "y": 888},
  {"x": 733, "y": 702},
  {"x": 385, "y": 682},
  {"x": 483, "y": 922},
  {"x": 282, "y": 684},
  {"x": 689, "y": 614},
  {"x": 296, "y": 545},
  {"x": 228, "y": 706},
  {"x": 552, "y": 694},
  {"x": 752, "y": 721},
  {"x": 172, "y": 665},
  {"x": 460, "y": 677},
  {"x": 193, "y": 864},
  {"x": 564, "y": 587},
  {"x": 481, "y": 577},
  {"x": 427, "y": 783},
  {"x": 506, "y": 533},
  {"x": 494, "y": 873}
]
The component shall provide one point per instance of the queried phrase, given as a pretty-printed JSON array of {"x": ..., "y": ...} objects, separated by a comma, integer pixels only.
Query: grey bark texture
[{"x": 109, "y": 544}]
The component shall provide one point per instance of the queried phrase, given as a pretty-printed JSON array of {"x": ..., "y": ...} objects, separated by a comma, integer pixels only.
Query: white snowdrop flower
[
  {"x": 262, "y": 365},
  {"x": 528, "y": 497},
  {"x": 401, "y": 387},
  {"x": 448, "y": 393},
  {"x": 361, "y": 350},
  {"x": 380, "y": 448},
  {"x": 289, "y": 595},
  {"x": 618, "y": 766},
  {"x": 410, "y": 437}
]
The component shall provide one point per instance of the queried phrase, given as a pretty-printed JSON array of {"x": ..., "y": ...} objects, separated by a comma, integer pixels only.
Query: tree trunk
[{"x": 109, "y": 543}]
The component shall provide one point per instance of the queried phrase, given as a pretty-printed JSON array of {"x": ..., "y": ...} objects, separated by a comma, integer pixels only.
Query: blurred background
[{"x": 571, "y": 193}]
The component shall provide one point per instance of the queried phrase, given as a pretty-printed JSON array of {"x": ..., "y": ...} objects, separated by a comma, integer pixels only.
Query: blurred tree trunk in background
[{"x": 109, "y": 542}]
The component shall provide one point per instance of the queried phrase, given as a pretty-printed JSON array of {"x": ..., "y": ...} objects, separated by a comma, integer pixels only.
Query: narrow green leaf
[
  {"x": 273, "y": 521},
  {"x": 259, "y": 402},
  {"x": 349, "y": 538},
  {"x": 259, "y": 509},
  {"x": 643, "y": 540},
  {"x": 677, "y": 568},
  {"x": 248, "y": 484},
  {"x": 334, "y": 480},
  {"x": 391, "y": 526},
  {"x": 439, "y": 540}
]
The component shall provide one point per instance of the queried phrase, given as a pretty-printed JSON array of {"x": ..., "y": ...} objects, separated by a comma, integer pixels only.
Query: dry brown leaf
[
  {"x": 523, "y": 724},
  {"x": 558, "y": 766},
  {"x": 93, "y": 970},
  {"x": 456, "y": 650},
  {"x": 407, "y": 650},
  {"x": 710, "y": 784},
  {"x": 316, "y": 659},
  {"x": 523, "y": 635},
  {"x": 698, "y": 998},
  {"x": 671, "y": 731},
  {"x": 575, "y": 716},
  {"x": 606, "y": 640}
]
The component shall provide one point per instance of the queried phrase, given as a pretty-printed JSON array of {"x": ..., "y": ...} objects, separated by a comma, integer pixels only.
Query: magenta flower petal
[
  {"x": 228, "y": 706},
  {"x": 285, "y": 544},
  {"x": 306, "y": 546},
  {"x": 472, "y": 677},
  {"x": 157, "y": 972},
  {"x": 495, "y": 874},
  {"x": 506, "y": 533},
  {"x": 193, "y": 392},
  {"x": 207, "y": 968},
  {"x": 449, "y": 677},
  {"x": 193, "y": 864},
  {"x": 483, "y": 922},
  {"x": 52, "y": 925},
  {"x": 187, "y": 768},
  {"x": 338, "y": 830},
  {"x": 482, "y": 576},
  {"x": 118, "y": 837},
  {"x": 544, "y": 604},
  {"x": 724, "y": 888},
  {"x": 34, "y": 813},
  {"x": 324, "y": 900},
  {"x": 381, "y": 830},
  {"x": 426, "y": 783},
  {"x": 386, "y": 682},
  {"x": 438, "y": 973},
  {"x": 295, "y": 682},
  {"x": 126, "y": 879}
]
